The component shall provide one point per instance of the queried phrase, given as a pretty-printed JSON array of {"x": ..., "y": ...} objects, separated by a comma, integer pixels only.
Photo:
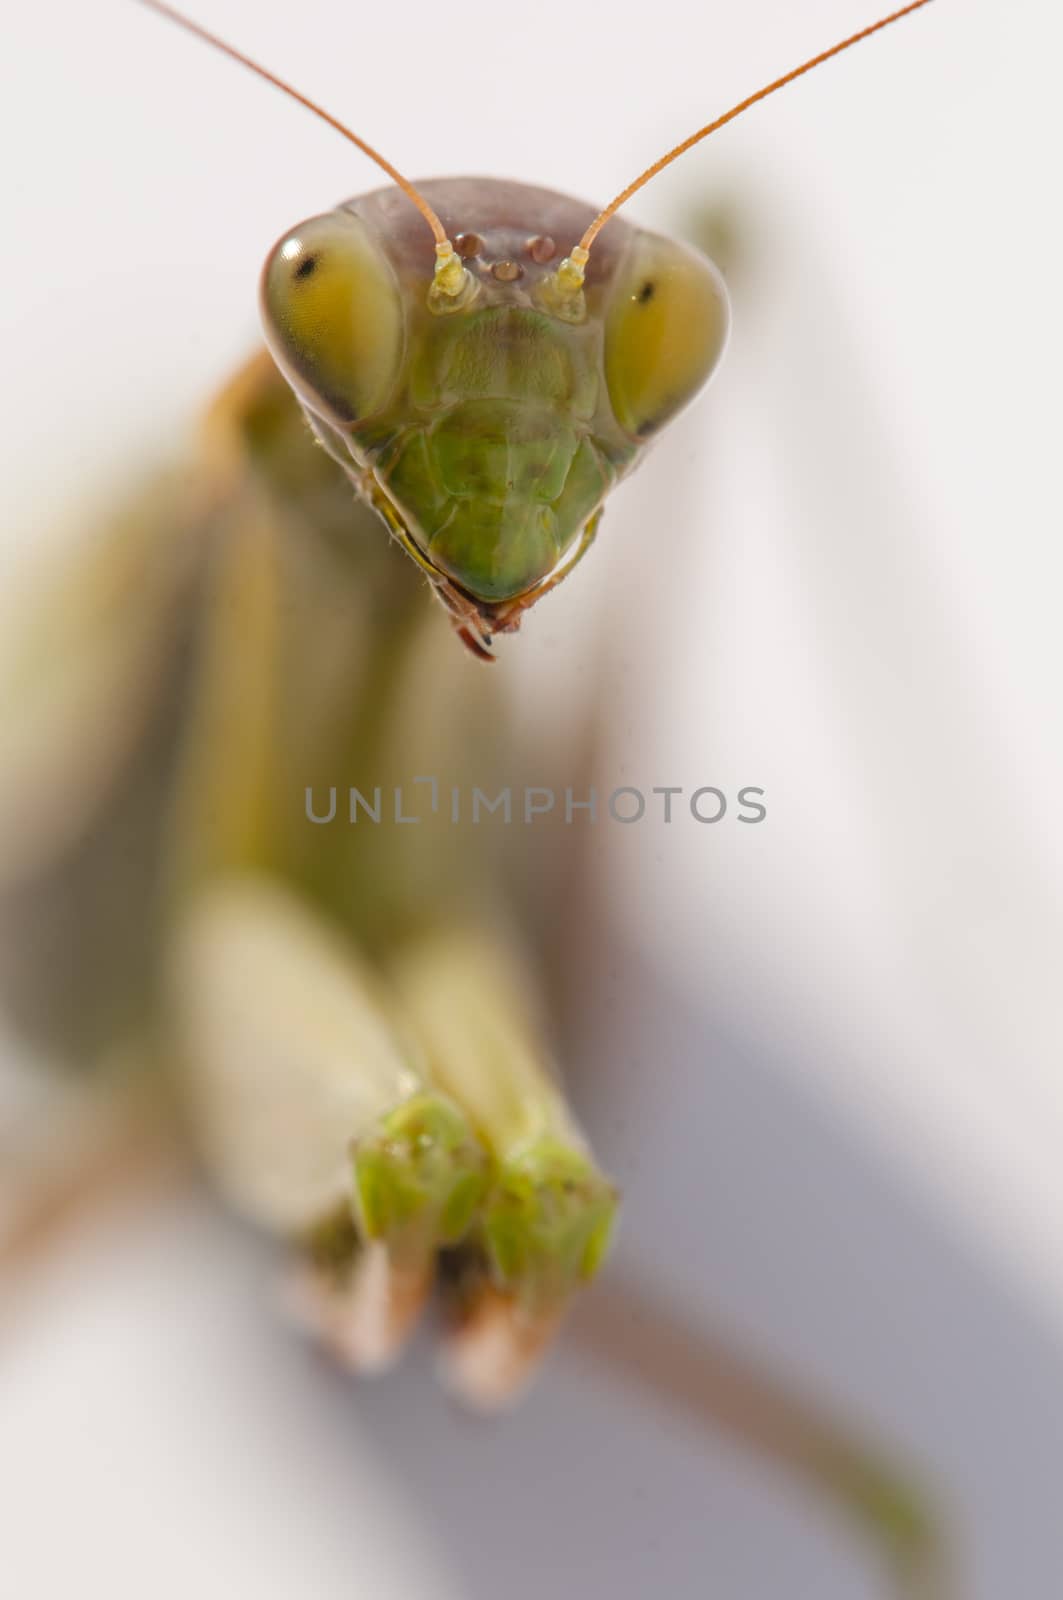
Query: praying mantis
[{"x": 352, "y": 1014}]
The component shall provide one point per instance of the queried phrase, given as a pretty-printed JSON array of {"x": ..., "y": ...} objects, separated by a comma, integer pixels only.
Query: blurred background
[{"x": 822, "y": 1055}]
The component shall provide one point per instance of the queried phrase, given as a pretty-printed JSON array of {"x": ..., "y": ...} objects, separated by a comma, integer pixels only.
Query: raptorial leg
[
  {"x": 544, "y": 1225},
  {"x": 315, "y": 1113}
]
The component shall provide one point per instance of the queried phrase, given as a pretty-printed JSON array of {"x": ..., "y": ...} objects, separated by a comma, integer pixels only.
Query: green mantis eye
[
  {"x": 333, "y": 316},
  {"x": 664, "y": 333}
]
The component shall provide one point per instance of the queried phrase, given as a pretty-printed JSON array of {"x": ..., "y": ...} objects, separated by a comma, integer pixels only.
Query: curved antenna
[
  {"x": 450, "y": 275},
  {"x": 578, "y": 256}
]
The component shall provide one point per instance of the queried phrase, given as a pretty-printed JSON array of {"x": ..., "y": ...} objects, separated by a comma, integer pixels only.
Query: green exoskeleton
[
  {"x": 488, "y": 425},
  {"x": 208, "y": 729}
]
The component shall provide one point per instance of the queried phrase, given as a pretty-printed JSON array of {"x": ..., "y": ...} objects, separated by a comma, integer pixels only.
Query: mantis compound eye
[
  {"x": 664, "y": 334},
  {"x": 333, "y": 316}
]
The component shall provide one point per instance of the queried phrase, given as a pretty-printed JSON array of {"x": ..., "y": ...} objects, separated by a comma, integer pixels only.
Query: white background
[{"x": 838, "y": 578}]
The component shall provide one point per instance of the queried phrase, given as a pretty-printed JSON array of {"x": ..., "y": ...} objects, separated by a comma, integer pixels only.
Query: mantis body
[{"x": 352, "y": 1013}]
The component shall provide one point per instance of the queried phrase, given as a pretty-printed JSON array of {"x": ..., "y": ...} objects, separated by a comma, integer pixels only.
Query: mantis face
[
  {"x": 489, "y": 427},
  {"x": 485, "y": 411}
]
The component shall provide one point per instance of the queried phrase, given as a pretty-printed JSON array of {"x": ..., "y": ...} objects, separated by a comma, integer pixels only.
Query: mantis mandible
[{"x": 459, "y": 374}]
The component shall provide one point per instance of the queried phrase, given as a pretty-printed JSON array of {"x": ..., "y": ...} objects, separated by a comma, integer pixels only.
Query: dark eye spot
[
  {"x": 541, "y": 249},
  {"x": 468, "y": 245},
  {"x": 306, "y": 267},
  {"x": 507, "y": 271},
  {"x": 647, "y": 292}
]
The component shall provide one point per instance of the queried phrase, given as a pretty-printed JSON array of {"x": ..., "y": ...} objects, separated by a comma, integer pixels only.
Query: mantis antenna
[
  {"x": 570, "y": 271},
  {"x": 449, "y": 274}
]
